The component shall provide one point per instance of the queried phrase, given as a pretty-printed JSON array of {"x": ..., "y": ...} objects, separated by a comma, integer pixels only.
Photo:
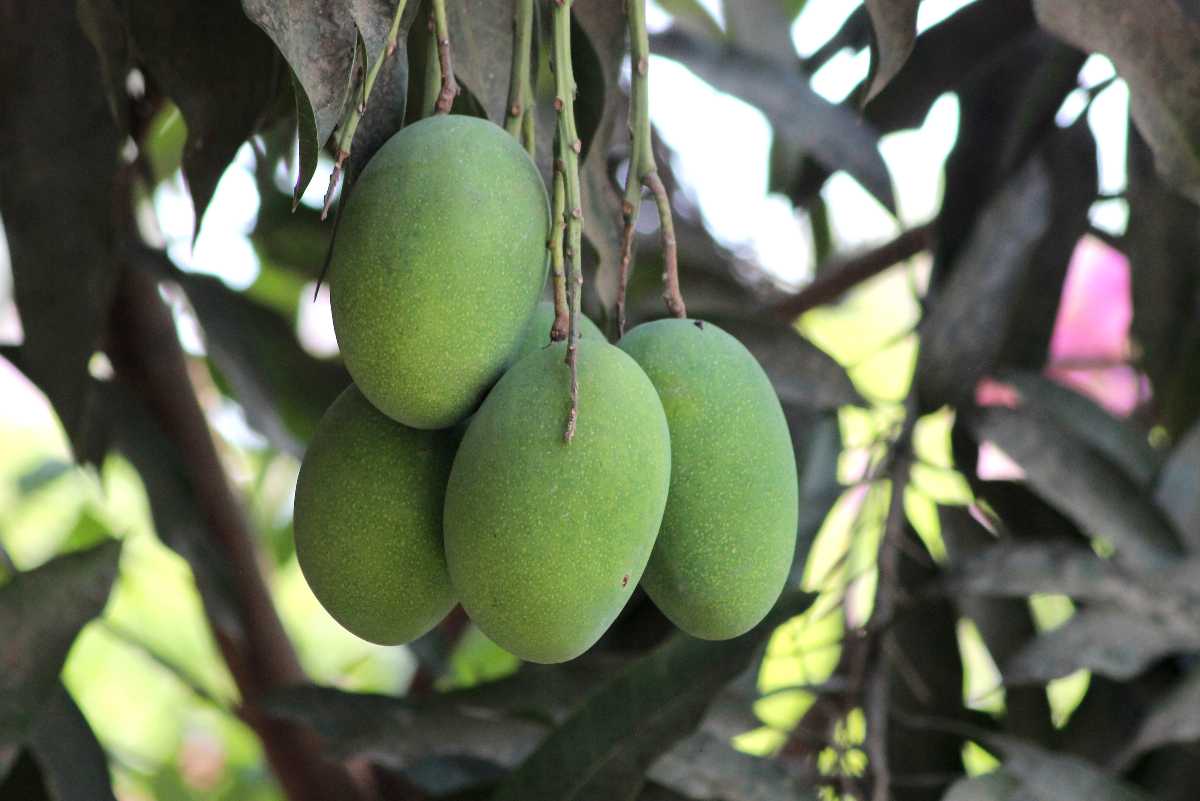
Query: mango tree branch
[
  {"x": 569, "y": 147},
  {"x": 449, "y": 86},
  {"x": 643, "y": 171},
  {"x": 520, "y": 119},
  {"x": 354, "y": 111}
]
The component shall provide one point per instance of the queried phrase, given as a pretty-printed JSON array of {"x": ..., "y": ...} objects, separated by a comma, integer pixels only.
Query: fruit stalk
[
  {"x": 562, "y": 312},
  {"x": 520, "y": 120},
  {"x": 643, "y": 171},
  {"x": 354, "y": 111},
  {"x": 449, "y": 86},
  {"x": 569, "y": 147}
]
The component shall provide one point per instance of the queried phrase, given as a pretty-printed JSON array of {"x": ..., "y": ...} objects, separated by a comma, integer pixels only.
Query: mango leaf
[
  {"x": 996, "y": 786},
  {"x": 58, "y": 156},
  {"x": 1021, "y": 569},
  {"x": 317, "y": 38},
  {"x": 893, "y": 37},
  {"x": 762, "y": 28},
  {"x": 1176, "y": 488},
  {"x": 959, "y": 342},
  {"x": 835, "y": 135},
  {"x": 481, "y": 40},
  {"x": 224, "y": 93},
  {"x": 692, "y": 16},
  {"x": 1164, "y": 79},
  {"x": 1054, "y": 777},
  {"x": 604, "y": 749},
  {"x": 41, "y": 612},
  {"x": 1172, "y": 719},
  {"x": 1082, "y": 484},
  {"x": 72, "y": 763},
  {"x": 1120, "y": 442}
]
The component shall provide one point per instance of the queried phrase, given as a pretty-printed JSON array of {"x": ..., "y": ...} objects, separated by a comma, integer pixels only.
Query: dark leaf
[
  {"x": 1161, "y": 241},
  {"x": 104, "y": 24},
  {"x": 223, "y": 92},
  {"x": 1176, "y": 489},
  {"x": 997, "y": 786},
  {"x": 835, "y": 135},
  {"x": 283, "y": 389},
  {"x": 41, "y": 612},
  {"x": 1022, "y": 569},
  {"x": 817, "y": 441},
  {"x": 893, "y": 36},
  {"x": 762, "y": 28},
  {"x": 42, "y": 474},
  {"x": 1121, "y": 443},
  {"x": 1083, "y": 484},
  {"x": 1154, "y": 50},
  {"x": 317, "y": 39},
  {"x": 73, "y": 765},
  {"x": 603, "y": 750},
  {"x": 959, "y": 342},
  {"x": 481, "y": 40},
  {"x": 705, "y": 768},
  {"x": 1172, "y": 719},
  {"x": 1054, "y": 777},
  {"x": 58, "y": 156}
]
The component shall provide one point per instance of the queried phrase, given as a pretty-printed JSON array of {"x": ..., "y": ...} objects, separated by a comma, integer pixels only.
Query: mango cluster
[{"x": 441, "y": 475}]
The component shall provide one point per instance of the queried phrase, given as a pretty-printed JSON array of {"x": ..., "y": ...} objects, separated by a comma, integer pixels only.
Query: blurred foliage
[{"x": 994, "y": 593}]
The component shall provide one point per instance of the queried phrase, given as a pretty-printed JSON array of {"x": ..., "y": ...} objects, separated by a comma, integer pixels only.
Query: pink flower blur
[{"x": 1095, "y": 310}]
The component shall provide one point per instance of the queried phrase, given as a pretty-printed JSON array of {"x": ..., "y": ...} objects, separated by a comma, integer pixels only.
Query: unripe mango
[
  {"x": 546, "y": 540},
  {"x": 439, "y": 259},
  {"x": 729, "y": 531},
  {"x": 368, "y": 521},
  {"x": 537, "y": 332}
]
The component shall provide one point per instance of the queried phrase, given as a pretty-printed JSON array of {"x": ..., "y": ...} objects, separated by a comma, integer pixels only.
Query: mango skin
[
  {"x": 537, "y": 331},
  {"x": 368, "y": 522},
  {"x": 546, "y": 540},
  {"x": 729, "y": 531},
  {"x": 439, "y": 260}
]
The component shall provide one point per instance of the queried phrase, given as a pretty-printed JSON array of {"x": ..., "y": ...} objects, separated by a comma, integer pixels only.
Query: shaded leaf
[
  {"x": 1055, "y": 777},
  {"x": 1176, "y": 489},
  {"x": 1119, "y": 442},
  {"x": 73, "y": 765},
  {"x": 58, "y": 156},
  {"x": 835, "y": 135},
  {"x": 317, "y": 38},
  {"x": 705, "y": 768},
  {"x": 1084, "y": 485},
  {"x": 997, "y": 786},
  {"x": 893, "y": 36},
  {"x": 603, "y": 750},
  {"x": 959, "y": 342},
  {"x": 223, "y": 92},
  {"x": 1107, "y": 640},
  {"x": 1154, "y": 50},
  {"x": 1172, "y": 719},
  {"x": 41, "y": 612},
  {"x": 762, "y": 28},
  {"x": 105, "y": 26},
  {"x": 481, "y": 40},
  {"x": 693, "y": 16}
]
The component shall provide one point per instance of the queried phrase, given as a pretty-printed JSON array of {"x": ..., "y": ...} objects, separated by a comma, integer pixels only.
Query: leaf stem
[
  {"x": 569, "y": 147},
  {"x": 354, "y": 111},
  {"x": 520, "y": 119},
  {"x": 449, "y": 85},
  {"x": 644, "y": 172}
]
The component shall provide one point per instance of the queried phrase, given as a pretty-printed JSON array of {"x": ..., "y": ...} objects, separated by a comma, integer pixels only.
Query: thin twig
[
  {"x": 569, "y": 147},
  {"x": 449, "y": 85},
  {"x": 520, "y": 119},
  {"x": 644, "y": 172},
  {"x": 836, "y": 279},
  {"x": 355, "y": 111}
]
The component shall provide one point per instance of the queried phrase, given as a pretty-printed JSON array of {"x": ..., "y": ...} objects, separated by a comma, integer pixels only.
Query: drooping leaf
[
  {"x": 1120, "y": 442},
  {"x": 58, "y": 156},
  {"x": 41, "y": 612},
  {"x": 1175, "y": 489},
  {"x": 317, "y": 38},
  {"x": 1023, "y": 569},
  {"x": 1083, "y": 484},
  {"x": 835, "y": 135},
  {"x": 481, "y": 40},
  {"x": 704, "y": 767},
  {"x": 73, "y": 765},
  {"x": 604, "y": 749},
  {"x": 893, "y": 36},
  {"x": 959, "y": 337},
  {"x": 223, "y": 92},
  {"x": 1155, "y": 52}
]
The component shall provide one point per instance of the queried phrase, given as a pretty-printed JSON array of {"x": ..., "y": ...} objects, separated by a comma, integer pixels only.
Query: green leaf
[
  {"x": 41, "y": 612},
  {"x": 1164, "y": 79},
  {"x": 604, "y": 749},
  {"x": 58, "y": 156},
  {"x": 317, "y": 39},
  {"x": 73, "y": 765},
  {"x": 1082, "y": 484},
  {"x": 893, "y": 36}
]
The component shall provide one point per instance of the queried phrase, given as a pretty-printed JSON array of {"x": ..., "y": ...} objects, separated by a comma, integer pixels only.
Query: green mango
[
  {"x": 537, "y": 332},
  {"x": 546, "y": 540},
  {"x": 438, "y": 263},
  {"x": 729, "y": 531},
  {"x": 368, "y": 521}
]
